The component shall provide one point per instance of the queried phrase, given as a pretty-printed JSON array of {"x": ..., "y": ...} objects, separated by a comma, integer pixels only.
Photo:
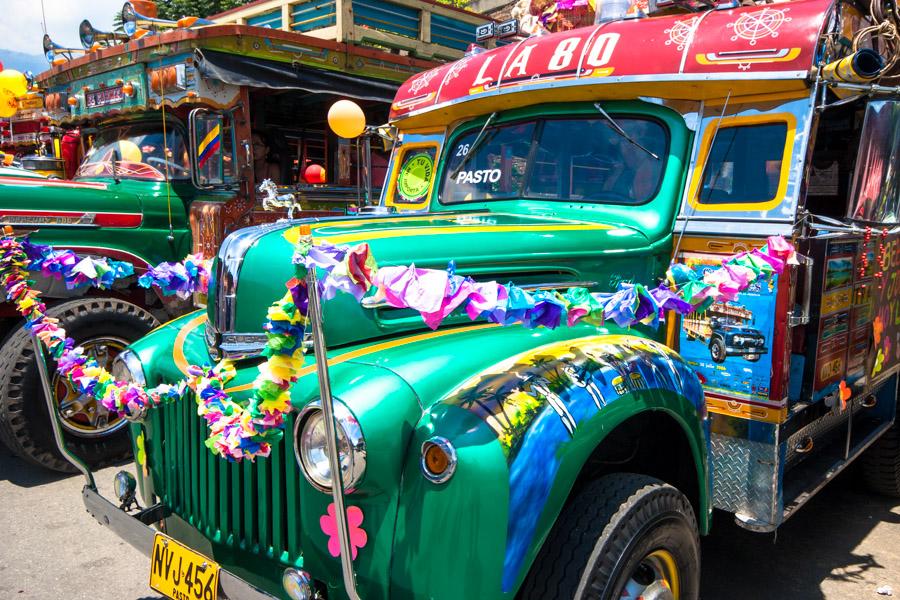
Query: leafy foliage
[{"x": 175, "y": 9}]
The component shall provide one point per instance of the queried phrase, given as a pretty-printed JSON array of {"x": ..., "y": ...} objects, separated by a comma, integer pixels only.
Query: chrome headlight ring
[
  {"x": 127, "y": 367},
  {"x": 311, "y": 452}
]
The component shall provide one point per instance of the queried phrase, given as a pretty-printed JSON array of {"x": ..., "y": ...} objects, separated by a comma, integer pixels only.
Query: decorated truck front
[
  {"x": 500, "y": 398},
  {"x": 179, "y": 125}
]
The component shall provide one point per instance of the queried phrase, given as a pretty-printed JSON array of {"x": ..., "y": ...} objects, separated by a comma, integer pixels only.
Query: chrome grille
[{"x": 254, "y": 506}]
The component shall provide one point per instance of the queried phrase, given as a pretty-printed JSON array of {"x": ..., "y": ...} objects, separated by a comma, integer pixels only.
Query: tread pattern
[
  {"x": 19, "y": 385},
  {"x": 592, "y": 536},
  {"x": 881, "y": 464}
]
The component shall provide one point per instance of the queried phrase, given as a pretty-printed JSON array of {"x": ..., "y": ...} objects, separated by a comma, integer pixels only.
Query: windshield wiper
[
  {"x": 618, "y": 129},
  {"x": 479, "y": 139}
]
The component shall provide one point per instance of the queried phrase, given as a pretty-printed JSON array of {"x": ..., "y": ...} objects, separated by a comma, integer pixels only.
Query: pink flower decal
[{"x": 358, "y": 537}]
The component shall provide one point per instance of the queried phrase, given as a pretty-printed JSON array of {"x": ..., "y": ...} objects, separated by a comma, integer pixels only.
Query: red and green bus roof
[{"x": 767, "y": 48}]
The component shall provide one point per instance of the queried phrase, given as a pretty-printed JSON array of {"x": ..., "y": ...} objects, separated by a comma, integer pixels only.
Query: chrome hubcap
[
  {"x": 655, "y": 578},
  {"x": 81, "y": 414}
]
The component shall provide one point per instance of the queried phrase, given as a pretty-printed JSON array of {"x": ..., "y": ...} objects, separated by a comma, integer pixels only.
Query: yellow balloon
[
  {"x": 13, "y": 81},
  {"x": 129, "y": 151},
  {"x": 346, "y": 119},
  {"x": 8, "y": 103}
]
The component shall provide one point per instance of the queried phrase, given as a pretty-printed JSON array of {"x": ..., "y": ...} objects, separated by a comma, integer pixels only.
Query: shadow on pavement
[
  {"x": 815, "y": 547},
  {"x": 24, "y": 474}
]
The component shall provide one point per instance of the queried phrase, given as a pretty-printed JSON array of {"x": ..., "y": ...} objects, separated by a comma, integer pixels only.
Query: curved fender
[{"x": 522, "y": 429}]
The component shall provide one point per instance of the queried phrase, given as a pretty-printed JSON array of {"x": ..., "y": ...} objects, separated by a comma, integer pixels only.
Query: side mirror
[{"x": 213, "y": 164}]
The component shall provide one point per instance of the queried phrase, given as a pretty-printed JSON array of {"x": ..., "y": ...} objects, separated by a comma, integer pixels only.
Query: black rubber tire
[
  {"x": 24, "y": 421},
  {"x": 881, "y": 464},
  {"x": 720, "y": 355},
  {"x": 605, "y": 531}
]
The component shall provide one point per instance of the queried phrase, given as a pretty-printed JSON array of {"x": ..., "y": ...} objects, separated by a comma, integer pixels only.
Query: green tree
[{"x": 175, "y": 9}]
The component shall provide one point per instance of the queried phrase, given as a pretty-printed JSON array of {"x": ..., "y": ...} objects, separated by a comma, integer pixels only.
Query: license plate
[{"x": 180, "y": 573}]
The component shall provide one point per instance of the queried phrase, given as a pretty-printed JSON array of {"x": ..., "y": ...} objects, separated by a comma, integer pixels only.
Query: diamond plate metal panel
[{"x": 745, "y": 476}]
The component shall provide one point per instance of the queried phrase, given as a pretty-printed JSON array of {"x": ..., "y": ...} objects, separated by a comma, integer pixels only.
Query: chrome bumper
[{"x": 136, "y": 531}]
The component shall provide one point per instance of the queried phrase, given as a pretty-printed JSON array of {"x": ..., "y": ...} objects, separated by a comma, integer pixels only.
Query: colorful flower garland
[{"x": 247, "y": 430}]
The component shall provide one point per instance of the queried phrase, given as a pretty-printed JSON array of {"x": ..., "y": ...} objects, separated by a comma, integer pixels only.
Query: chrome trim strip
[
  {"x": 328, "y": 405},
  {"x": 49, "y": 398}
]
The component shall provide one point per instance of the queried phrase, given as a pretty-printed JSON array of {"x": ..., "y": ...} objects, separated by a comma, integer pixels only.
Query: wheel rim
[
  {"x": 656, "y": 577},
  {"x": 81, "y": 414},
  {"x": 715, "y": 351}
]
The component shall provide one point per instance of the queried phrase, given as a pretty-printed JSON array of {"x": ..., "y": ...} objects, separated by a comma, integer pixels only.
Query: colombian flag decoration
[{"x": 209, "y": 145}]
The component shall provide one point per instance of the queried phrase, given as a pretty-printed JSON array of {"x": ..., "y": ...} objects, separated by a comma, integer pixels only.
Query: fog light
[
  {"x": 297, "y": 584},
  {"x": 438, "y": 459},
  {"x": 124, "y": 486}
]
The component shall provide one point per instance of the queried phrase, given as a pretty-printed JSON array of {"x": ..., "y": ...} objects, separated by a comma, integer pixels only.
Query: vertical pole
[
  {"x": 367, "y": 165},
  {"x": 54, "y": 415},
  {"x": 337, "y": 483}
]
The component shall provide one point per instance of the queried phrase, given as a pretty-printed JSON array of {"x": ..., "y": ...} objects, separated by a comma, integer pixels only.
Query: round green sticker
[{"x": 415, "y": 177}]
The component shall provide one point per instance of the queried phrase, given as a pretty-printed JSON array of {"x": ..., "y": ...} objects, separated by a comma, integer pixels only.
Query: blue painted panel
[
  {"x": 451, "y": 32},
  {"x": 388, "y": 17},
  {"x": 317, "y": 14},
  {"x": 270, "y": 19}
]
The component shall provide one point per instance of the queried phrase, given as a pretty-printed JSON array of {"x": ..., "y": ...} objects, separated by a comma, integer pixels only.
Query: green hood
[{"x": 524, "y": 249}]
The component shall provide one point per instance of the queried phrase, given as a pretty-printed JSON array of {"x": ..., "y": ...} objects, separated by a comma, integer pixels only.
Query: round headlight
[
  {"x": 127, "y": 367},
  {"x": 124, "y": 486},
  {"x": 311, "y": 450},
  {"x": 297, "y": 584}
]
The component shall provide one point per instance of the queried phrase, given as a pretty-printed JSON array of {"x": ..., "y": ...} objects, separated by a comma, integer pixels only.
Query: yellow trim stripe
[
  {"x": 178, "y": 350},
  {"x": 360, "y": 352},
  {"x": 181, "y": 361},
  {"x": 457, "y": 230},
  {"x": 292, "y": 234}
]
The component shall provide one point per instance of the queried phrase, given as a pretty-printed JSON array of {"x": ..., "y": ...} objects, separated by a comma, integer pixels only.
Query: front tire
[
  {"x": 621, "y": 532},
  {"x": 104, "y": 326}
]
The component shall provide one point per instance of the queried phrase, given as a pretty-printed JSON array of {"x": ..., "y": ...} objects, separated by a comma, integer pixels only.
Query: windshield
[
  {"x": 579, "y": 159},
  {"x": 138, "y": 152}
]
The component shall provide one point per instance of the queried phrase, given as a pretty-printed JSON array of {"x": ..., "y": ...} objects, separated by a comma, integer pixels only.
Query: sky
[{"x": 20, "y": 23}]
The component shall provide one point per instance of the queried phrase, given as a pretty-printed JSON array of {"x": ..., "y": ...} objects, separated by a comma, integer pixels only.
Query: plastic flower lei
[{"x": 240, "y": 430}]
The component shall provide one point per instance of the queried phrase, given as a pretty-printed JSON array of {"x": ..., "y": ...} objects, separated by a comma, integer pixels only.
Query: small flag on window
[{"x": 209, "y": 145}]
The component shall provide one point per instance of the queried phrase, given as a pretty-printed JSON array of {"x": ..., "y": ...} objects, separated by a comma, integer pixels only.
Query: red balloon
[{"x": 314, "y": 174}]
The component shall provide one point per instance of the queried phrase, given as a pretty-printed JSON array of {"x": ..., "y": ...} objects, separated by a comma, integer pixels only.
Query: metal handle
[
  {"x": 802, "y": 318},
  {"x": 870, "y": 401},
  {"x": 334, "y": 461},
  {"x": 54, "y": 415},
  {"x": 804, "y": 446}
]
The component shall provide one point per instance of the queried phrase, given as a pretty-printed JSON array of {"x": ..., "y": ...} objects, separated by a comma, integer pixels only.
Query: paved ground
[{"x": 842, "y": 546}]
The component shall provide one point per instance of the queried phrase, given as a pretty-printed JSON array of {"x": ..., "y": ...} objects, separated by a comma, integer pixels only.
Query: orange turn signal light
[{"x": 438, "y": 459}]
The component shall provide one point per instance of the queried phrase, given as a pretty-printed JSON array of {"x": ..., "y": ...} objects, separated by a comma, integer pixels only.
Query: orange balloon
[{"x": 346, "y": 119}]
